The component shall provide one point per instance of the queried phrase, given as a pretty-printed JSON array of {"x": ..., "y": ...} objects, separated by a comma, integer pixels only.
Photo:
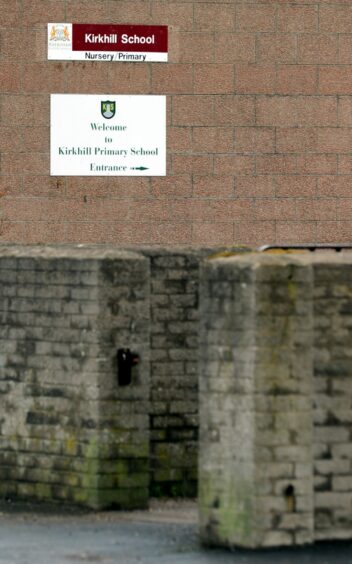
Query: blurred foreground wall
[
  {"x": 275, "y": 398},
  {"x": 271, "y": 346},
  {"x": 71, "y": 430}
]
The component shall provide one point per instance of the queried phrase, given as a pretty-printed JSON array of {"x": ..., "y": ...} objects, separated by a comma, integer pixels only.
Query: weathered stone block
[
  {"x": 256, "y": 400},
  {"x": 57, "y": 431}
]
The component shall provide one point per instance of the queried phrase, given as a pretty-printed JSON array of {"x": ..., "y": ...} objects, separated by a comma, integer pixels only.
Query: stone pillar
[
  {"x": 333, "y": 395},
  {"x": 68, "y": 431},
  {"x": 255, "y": 461}
]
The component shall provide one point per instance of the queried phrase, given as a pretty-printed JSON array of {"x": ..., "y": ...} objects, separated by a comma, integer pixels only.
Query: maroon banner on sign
[{"x": 99, "y": 37}]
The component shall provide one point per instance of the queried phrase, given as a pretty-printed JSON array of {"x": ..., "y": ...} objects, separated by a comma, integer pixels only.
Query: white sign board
[
  {"x": 107, "y": 42},
  {"x": 107, "y": 135}
]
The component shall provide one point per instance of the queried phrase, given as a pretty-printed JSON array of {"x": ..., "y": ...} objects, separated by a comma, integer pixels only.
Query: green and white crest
[{"x": 108, "y": 109}]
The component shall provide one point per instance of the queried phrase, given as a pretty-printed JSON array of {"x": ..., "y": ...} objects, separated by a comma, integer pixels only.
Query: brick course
[{"x": 253, "y": 89}]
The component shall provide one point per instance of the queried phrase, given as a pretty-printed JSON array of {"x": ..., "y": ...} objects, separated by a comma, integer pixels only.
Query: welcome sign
[
  {"x": 107, "y": 135},
  {"x": 99, "y": 42}
]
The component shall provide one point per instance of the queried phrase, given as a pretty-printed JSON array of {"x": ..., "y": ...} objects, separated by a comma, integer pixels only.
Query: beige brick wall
[{"x": 259, "y": 125}]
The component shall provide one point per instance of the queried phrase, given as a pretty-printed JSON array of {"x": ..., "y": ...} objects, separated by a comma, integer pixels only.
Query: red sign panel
[{"x": 134, "y": 38}]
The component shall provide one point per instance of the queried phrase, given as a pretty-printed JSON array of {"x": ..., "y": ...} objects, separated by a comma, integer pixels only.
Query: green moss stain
[
  {"x": 95, "y": 473},
  {"x": 90, "y": 476},
  {"x": 91, "y": 463},
  {"x": 71, "y": 445},
  {"x": 235, "y": 516},
  {"x": 43, "y": 491},
  {"x": 292, "y": 291},
  {"x": 227, "y": 514}
]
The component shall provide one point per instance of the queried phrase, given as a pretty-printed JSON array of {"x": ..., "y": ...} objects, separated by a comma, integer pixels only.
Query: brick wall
[
  {"x": 259, "y": 125},
  {"x": 68, "y": 431}
]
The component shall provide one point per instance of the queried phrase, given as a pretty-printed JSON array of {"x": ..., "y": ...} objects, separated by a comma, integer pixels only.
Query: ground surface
[{"x": 166, "y": 534}]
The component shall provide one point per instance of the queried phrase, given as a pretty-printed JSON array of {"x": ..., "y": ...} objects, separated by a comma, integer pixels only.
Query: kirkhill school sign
[{"x": 98, "y": 42}]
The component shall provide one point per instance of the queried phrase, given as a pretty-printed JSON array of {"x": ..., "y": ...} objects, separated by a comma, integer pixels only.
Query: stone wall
[
  {"x": 174, "y": 301},
  {"x": 68, "y": 431},
  {"x": 174, "y": 334},
  {"x": 171, "y": 401},
  {"x": 274, "y": 389},
  {"x": 174, "y": 370},
  {"x": 333, "y": 399},
  {"x": 275, "y": 395}
]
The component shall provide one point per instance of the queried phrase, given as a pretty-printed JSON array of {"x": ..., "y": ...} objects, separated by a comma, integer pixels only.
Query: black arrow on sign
[{"x": 139, "y": 168}]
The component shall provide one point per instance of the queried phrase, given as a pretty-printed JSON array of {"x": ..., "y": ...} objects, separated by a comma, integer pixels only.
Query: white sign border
[
  {"x": 155, "y": 133},
  {"x": 62, "y": 51}
]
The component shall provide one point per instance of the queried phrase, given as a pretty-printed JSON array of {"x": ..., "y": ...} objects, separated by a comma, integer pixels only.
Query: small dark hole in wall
[
  {"x": 289, "y": 493},
  {"x": 125, "y": 362}
]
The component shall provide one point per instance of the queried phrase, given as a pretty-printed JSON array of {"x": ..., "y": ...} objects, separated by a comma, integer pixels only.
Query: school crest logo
[
  {"x": 108, "y": 109},
  {"x": 59, "y": 32},
  {"x": 59, "y": 38}
]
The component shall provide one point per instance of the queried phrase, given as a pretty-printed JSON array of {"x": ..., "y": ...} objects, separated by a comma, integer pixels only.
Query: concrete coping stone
[
  {"x": 97, "y": 251},
  {"x": 277, "y": 256},
  {"x": 79, "y": 251}
]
